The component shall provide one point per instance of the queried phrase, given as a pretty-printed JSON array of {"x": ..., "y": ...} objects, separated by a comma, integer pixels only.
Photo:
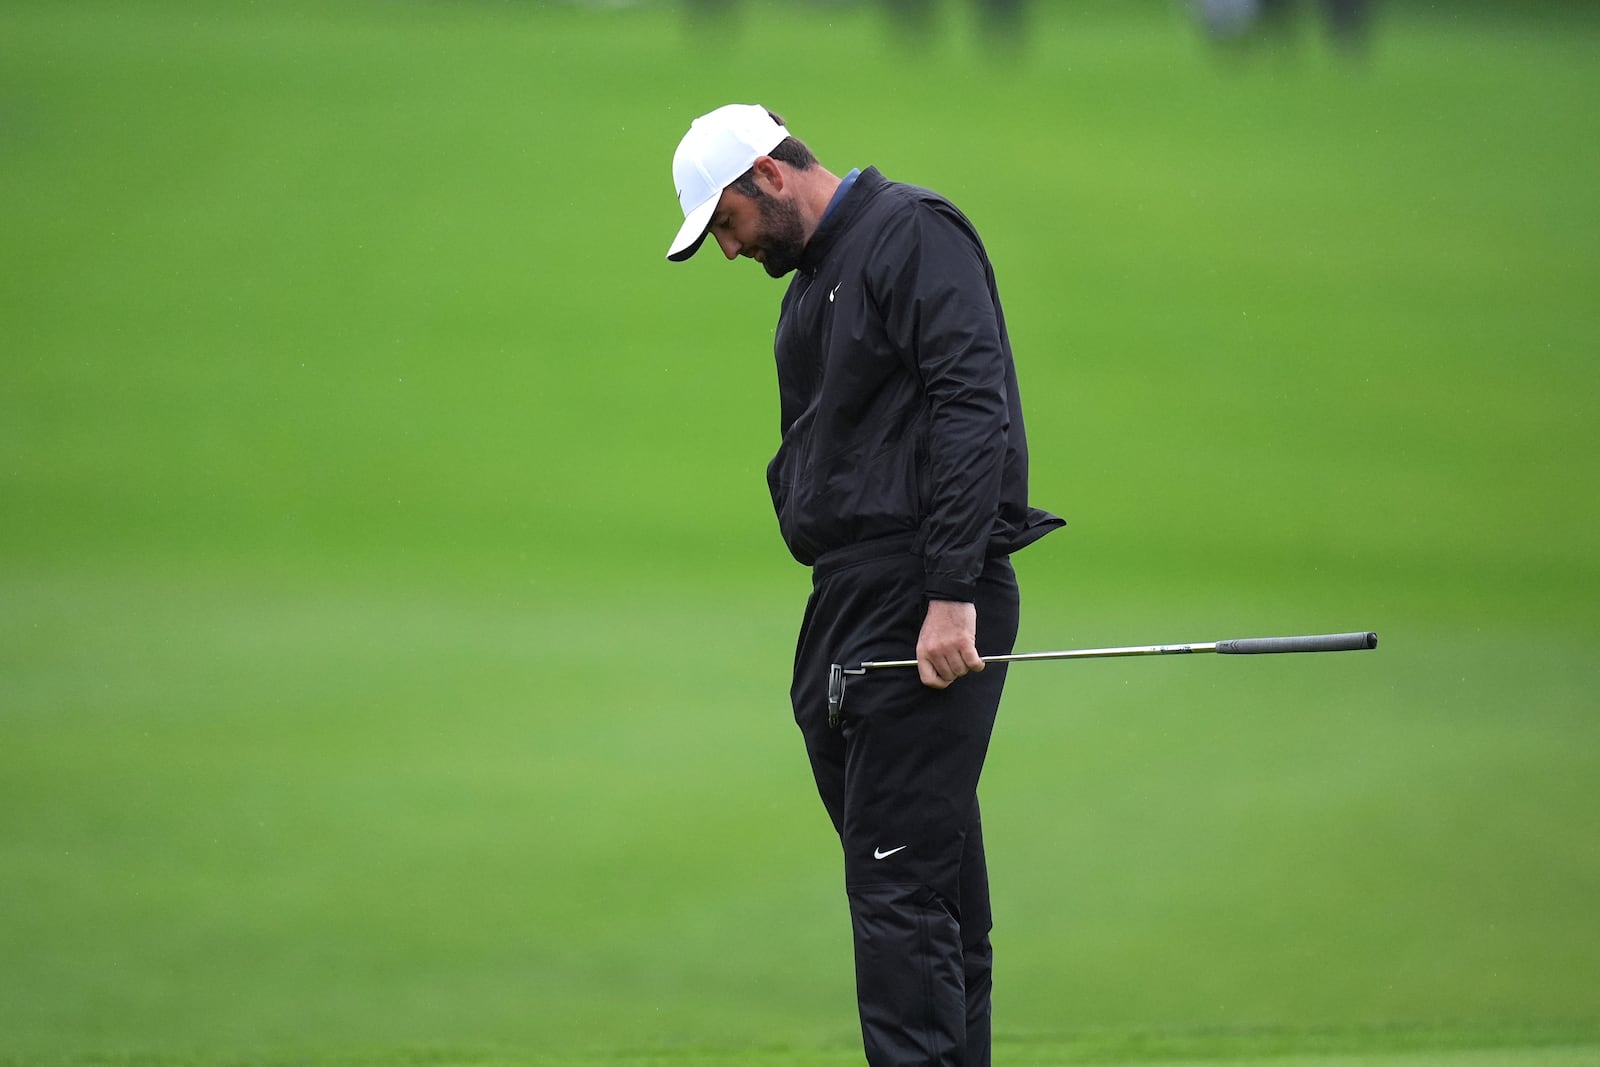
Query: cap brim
[{"x": 693, "y": 231}]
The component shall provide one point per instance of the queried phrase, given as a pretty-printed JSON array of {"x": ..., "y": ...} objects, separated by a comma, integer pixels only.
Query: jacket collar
[{"x": 867, "y": 185}]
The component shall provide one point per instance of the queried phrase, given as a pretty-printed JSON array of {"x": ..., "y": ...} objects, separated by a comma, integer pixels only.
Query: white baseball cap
[{"x": 719, "y": 147}]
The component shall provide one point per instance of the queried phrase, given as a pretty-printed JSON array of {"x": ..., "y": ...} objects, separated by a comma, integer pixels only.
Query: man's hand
[{"x": 947, "y": 647}]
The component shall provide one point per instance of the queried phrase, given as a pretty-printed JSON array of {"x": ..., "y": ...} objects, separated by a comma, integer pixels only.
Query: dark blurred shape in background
[
  {"x": 713, "y": 17},
  {"x": 1347, "y": 21},
  {"x": 1002, "y": 22}
]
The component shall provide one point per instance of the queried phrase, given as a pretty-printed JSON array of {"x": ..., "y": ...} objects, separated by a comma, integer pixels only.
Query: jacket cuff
[{"x": 946, "y": 587}]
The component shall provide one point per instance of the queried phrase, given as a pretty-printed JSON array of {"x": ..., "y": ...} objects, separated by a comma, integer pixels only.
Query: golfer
[{"x": 902, "y": 481}]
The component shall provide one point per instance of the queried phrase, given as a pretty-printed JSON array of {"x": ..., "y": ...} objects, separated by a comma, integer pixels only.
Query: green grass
[{"x": 394, "y": 635}]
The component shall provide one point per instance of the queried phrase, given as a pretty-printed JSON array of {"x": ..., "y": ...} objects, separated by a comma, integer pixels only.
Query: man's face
[{"x": 765, "y": 228}]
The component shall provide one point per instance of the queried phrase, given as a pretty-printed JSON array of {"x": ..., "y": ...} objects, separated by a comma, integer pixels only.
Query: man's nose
[{"x": 729, "y": 246}]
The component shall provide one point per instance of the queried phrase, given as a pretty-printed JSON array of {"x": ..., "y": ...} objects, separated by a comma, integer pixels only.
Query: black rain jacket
[{"x": 900, "y": 412}]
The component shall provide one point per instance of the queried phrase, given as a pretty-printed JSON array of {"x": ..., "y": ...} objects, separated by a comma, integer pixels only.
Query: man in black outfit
[{"x": 902, "y": 481}]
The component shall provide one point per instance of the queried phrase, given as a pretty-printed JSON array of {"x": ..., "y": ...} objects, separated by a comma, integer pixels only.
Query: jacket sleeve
[{"x": 933, "y": 286}]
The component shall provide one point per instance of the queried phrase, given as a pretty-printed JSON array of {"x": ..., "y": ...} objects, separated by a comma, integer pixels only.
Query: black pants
[{"x": 900, "y": 781}]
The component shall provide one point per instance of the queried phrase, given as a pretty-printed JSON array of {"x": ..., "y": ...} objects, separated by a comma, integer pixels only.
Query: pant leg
[
  {"x": 900, "y": 784},
  {"x": 924, "y": 970},
  {"x": 977, "y": 955}
]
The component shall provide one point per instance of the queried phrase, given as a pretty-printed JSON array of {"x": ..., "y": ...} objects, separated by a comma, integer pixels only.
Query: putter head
[{"x": 835, "y": 694}]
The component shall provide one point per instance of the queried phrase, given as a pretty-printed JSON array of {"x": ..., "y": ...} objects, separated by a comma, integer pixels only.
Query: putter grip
[{"x": 1247, "y": 646}]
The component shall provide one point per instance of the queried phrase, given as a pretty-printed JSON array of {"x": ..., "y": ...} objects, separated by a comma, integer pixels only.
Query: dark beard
[{"x": 782, "y": 239}]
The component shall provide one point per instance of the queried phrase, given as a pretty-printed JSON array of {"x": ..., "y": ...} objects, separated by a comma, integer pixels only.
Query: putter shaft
[
  {"x": 1349, "y": 642},
  {"x": 1074, "y": 653}
]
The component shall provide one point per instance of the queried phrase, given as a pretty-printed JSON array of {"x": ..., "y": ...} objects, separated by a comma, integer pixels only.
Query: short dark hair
[{"x": 790, "y": 150}]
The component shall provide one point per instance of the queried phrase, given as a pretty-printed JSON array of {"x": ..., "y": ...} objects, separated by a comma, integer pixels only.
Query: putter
[{"x": 1239, "y": 646}]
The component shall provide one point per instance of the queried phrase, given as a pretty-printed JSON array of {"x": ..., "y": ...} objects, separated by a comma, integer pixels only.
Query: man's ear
[{"x": 768, "y": 174}]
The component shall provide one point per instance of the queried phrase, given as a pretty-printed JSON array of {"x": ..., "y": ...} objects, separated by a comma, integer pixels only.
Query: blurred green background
[{"x": 394, "y": 632}]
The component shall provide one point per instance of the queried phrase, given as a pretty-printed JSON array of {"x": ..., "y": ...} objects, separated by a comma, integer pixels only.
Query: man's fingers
[
  {"x": 938, "y": 670},
  {"x": 934, "y": 671}
]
